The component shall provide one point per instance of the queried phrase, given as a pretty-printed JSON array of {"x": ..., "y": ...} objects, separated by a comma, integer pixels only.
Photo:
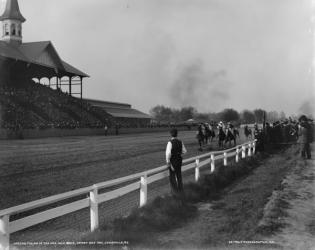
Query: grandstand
[
  {"x": 26, "y": 103},
  {"x": 21, "y": 62}
]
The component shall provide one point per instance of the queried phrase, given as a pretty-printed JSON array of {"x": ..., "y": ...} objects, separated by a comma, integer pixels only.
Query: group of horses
[
  {"x": 226, "y": 134},
  {"x": 205, "y": 134}
]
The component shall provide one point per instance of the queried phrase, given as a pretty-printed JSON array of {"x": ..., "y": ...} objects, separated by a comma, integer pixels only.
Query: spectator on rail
[
  {"x": 305, "y": 137},
  {"x": 174, "y": 150}
]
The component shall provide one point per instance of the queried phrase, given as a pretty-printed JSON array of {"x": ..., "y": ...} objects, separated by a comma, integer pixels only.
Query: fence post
[
  {"x": 4, "y": 232},
  {"x": 212, "y": 161},
  {"x": 94, "y": 209},
  {"x": 197, "y": 172},
  {"x": 250, "y": 149},
  {"x": 225, "y": 159},
  {"x": 243, "y": 152},
  {"x": 254, "y": 147},
  {"x": 143, "y": 190},
  {"x": 237, "y": 155}
]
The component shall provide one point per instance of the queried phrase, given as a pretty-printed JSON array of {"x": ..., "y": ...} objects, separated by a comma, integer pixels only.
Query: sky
[{"x": 210, "y": 54}]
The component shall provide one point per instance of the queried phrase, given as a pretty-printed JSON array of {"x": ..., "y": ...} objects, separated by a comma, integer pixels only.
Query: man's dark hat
[{"x": 174, "y": 132}]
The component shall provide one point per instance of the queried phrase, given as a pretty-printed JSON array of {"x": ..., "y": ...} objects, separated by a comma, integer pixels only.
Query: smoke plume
[{"x": 202, "y": 89}]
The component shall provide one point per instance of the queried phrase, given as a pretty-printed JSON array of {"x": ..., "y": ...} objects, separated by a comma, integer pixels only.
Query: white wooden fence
[{"x": 8, "y": 227}]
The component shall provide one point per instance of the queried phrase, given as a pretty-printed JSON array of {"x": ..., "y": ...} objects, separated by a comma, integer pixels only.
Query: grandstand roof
[
  {"x": 107, "y": 103},
  {"x": 127, "y": 113},
  {"x": 39, "y": 53},
  {"x": 119, "y": 110},
  {"x": 8, "y": 51}
]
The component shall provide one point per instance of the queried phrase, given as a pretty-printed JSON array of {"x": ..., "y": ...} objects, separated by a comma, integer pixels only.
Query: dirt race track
[
  {"x": 274, "y": 204},
  {"x": 34, "y": 169}
]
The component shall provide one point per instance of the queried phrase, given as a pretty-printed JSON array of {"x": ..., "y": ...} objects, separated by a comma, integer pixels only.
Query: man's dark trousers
[
  {"x": 176, "y": 175},
  {"x": 306, "y": 150}
]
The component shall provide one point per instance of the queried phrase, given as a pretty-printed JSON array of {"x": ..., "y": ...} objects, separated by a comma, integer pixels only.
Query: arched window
[
  {"x": 6, "y": 29},
  {"x": 13, "y": 27},
  {"x": 20, "y": 30}
]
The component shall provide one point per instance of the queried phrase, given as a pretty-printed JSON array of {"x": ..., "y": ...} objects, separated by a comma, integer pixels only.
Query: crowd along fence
[{"x": 95, "y": 197}]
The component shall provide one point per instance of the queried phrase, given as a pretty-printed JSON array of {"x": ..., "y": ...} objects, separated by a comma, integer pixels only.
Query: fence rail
[{"x": 143, "y": 179}]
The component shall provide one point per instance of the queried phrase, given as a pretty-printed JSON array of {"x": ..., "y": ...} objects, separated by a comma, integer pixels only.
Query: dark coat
[{"x": 304, "y": 134}]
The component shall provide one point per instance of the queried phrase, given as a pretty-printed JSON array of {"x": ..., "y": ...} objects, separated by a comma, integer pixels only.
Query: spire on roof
[{"x": 12, "y": 11}]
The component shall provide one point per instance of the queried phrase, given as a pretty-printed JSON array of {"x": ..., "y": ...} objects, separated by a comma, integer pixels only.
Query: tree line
[{"x": 165, "y": 114}]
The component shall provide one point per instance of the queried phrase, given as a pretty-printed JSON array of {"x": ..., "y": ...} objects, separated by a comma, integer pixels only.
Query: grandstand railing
[{"x": 95, "y": 198}]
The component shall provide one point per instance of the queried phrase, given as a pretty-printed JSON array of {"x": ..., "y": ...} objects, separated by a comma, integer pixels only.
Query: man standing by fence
[
  {"x": 305, "y": 137},
  {"x": 174, "y": 150}
]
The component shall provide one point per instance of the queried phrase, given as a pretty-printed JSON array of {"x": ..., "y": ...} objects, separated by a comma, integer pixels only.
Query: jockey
[
  {"x": 220, "y": 125},
  {"x": 230, "y": 134}
]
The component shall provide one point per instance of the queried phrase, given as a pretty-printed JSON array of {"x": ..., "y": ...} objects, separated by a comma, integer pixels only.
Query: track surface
[
  {"x": 34, "y": 169},
  {"x": 38, "y": 168}
]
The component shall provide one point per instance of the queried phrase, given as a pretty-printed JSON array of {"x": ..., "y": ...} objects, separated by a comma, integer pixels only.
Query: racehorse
[
  {"x": 221, "y": 136},
  {"x": 209, "y": 133},
  {"x": 230, "y": 135},
  {"x": 248, "y": 132},
  {"x": 201, "y": 133}
]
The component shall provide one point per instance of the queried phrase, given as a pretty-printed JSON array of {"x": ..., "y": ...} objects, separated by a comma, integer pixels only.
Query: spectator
[
  {"x": 174, "y": 150},
  {"x": 305, "y": 137}
]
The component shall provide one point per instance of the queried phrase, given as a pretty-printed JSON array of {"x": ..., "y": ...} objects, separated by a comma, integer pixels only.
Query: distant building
[
  {"x": 20, "y": 62},
  {"x": 122, "y": 113}
]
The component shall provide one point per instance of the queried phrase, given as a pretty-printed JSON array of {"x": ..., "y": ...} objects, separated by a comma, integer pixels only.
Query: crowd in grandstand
[{"x": 37, "y": 106}]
